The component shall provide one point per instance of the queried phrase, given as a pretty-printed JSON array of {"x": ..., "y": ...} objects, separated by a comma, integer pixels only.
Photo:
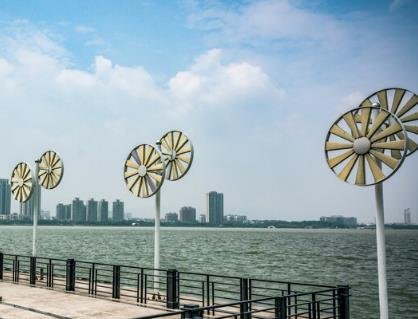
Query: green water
[{"x": 317, "y": 256}]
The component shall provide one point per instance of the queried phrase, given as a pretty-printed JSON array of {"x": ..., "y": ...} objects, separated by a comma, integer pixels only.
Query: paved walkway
[{"x": 24, "y": 302}]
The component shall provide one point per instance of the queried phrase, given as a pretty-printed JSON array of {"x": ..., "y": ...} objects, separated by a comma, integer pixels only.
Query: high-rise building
[
  {"x": 103, "y": 211},
  {"x": 27, "y": 208},
  {"x": 235, "y": 218},
  {"x": 5, "y": 197},
  {"x": 78, "y": 211},
  {"x": 63, "y": 212},
  {"x": 215, "y": 207},
  {"x": 202, "y": 219},
  {"x": 118, "y": 211},
  {"x": 188, "y": 215},
  {"x": 67, "y": 209},
  {"x": 171, "y": 218},
  {"x": 407, "y": 216},
  {"x": 45, "y": 215},
  {"x": 60, "y": 213},
  {"x": 91, "y": 210}
]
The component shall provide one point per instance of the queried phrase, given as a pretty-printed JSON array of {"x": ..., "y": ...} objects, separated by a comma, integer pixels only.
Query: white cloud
[
  {"x": 5, "y": 67},
  {"x": 20, "y": 35},
  {"x": 396, "y": 4},
  {"x": 210, "y": 83},
  {"x": 84, "y": 29},
  {"x": 268, "y": 20}
]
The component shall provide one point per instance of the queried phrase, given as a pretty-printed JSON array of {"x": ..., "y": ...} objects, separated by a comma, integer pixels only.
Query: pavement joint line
[{"x": 34, "y": 310}]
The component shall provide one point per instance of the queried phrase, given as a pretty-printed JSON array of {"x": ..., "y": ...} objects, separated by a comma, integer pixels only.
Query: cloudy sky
[{"x": 255, "y": 85}]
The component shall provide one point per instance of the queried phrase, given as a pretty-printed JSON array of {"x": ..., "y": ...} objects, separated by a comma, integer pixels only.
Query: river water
[{"x": 315, "y": 256}]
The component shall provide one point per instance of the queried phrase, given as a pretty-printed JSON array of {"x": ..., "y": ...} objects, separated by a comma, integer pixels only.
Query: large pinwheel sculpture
[
  {"x": 177, "y": 151},
  {"x": 367, "y": 145},
  {"x": 146, "y": 168},
  {"x": 403, "y": 104},
  {"x": 355, "y": 151},
  {"x": 144, "y": 171},
  {"x": 22, "y": 182},
  {"x": 25, "y": 185}
]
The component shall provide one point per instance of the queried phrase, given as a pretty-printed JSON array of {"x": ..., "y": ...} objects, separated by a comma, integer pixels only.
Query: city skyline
[
  {"x": 91, "y": 211},
  {"x": 234, "y": 76},
  {"x": 26, "y": 211}
]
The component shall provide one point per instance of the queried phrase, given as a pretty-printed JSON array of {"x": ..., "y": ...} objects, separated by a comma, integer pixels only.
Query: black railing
[
  {"x": 225, "y": 296},
  {"x": 282, "y": 307}
]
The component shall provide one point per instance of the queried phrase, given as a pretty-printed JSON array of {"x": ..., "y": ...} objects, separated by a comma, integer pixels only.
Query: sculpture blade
[
  {"x": 346, "y": 171},
  {"x": 409, "y": 105},
  {"x": 361, "y": 171},
  {"x": 375, "y": 169},
  {"x": 397, "y": 98},
  {"x": 340, "y": 158}
]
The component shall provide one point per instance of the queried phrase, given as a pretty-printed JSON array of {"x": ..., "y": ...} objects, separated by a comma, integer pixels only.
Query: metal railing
[
  {"x": 225, "y": 296},
  {"x": 313, "y": 305}
]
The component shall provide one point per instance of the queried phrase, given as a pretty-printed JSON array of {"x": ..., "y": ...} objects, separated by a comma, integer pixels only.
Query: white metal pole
[
  {"x": 381, "y": 252},
  {"x": 36, "y": 207},
  {"x": 157, "y": 242}
]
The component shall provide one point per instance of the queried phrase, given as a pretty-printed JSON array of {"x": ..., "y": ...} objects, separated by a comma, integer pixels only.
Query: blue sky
[{"x": 255, "y": 84}]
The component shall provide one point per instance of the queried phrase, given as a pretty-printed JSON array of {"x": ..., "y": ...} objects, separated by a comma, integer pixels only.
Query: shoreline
[{"x": 226, "y": 227}]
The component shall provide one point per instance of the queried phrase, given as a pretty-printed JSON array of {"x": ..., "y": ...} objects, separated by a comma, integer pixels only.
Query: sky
[{"x": 254, "y": 84}]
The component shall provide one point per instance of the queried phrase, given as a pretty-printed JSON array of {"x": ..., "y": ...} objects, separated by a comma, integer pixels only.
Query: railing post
[
  {"x": 70, "y": 275},
  {"x": 191, "y": 312},
  {"x": 49, "y": 274},
  {"x": 142, "y": 285},
  {"x": 343, "y": 302},
  {"x": 32, "y": 271},
  {"x": 116, "y": 282},
  {"x": 93, "y": 271},
  {"x": 178, "y": 287},
  {"x": 1, "y": 265},
  {"x": 145, "y": 287},
  {"x": 171, "y": 293},
  {"x": 244, "y": 297},
  {"x": 314, "y": 312},
  {"x": 16, "y": 269},
  {"x": 280, "y": 308},
  {"x": 318, "y": 310},
  {"x": 213, "y": 296},
  {"x": 208, "y": 291}
]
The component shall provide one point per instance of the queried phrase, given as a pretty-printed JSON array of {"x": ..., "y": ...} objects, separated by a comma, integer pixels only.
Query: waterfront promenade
[{"x": 21, "y": 301}]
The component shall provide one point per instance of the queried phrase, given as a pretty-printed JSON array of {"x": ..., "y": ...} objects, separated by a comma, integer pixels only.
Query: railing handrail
[{"x": 88, "y": 262}]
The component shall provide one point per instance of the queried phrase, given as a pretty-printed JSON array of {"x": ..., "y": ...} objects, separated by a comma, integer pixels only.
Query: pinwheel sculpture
[
  {"x": 366, "y": 146},
  {"x": 403, "y": 104},
  {"x": 49, "y": 170},
  {"x": 146, "y": 168}
]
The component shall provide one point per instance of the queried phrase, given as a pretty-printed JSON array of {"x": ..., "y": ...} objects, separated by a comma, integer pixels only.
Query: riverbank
[{"x": 261, "y": 224}]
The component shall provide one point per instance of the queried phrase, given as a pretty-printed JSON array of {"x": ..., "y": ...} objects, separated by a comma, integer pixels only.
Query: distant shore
[{"x": 255, "y": 224}]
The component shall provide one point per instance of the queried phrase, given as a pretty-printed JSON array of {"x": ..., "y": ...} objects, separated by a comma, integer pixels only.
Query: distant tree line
[{"x": 250, "y": 224}]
